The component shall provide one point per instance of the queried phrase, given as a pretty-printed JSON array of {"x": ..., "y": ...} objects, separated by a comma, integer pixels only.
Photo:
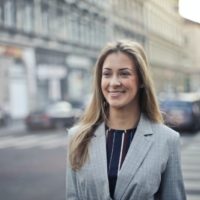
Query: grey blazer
[{"x": 150, "y": 171}]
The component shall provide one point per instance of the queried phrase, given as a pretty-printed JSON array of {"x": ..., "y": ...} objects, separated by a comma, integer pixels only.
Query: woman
[{"x": 120, "y": 149}]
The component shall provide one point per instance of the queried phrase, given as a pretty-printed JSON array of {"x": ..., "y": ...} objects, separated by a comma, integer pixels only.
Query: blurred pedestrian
[{"x": 120, "y": 149}]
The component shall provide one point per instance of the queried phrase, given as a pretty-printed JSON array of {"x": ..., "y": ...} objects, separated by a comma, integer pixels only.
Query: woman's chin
[{"x": 117, "y": 106}]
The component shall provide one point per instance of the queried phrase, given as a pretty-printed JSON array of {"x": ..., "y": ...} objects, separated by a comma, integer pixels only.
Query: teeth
[{"x": 115, "y": 91}]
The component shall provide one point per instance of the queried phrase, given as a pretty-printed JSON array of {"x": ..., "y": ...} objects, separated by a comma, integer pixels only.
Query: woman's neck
[{"x": 123, "y": 119}]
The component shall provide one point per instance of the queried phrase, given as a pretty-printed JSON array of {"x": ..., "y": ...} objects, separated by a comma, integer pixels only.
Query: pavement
[{"x": 13, "y": 127}]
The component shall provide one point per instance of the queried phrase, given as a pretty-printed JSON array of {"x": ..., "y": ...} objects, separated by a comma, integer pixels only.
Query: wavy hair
[{"x": 96, "y": 112}]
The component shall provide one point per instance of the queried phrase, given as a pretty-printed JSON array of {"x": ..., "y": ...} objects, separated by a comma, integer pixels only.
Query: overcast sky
[{"x": 190, "y": 9}]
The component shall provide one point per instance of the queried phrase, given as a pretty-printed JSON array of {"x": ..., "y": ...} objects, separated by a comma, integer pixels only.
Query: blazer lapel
[
  {"x": 138, "y": 149},
  {"x": 99, "y": 158}
]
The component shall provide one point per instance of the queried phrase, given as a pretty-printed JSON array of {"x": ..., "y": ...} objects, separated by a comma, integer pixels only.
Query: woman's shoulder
[
  {"x": 159, "y": 129},
  {"x": 165, "y": 132}
]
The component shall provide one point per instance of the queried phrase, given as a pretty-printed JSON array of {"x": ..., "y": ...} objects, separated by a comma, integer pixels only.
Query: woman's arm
[{"x": 172, "y": 186}]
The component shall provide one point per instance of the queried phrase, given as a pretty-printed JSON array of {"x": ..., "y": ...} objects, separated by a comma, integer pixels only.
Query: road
[
  {"x": 191, "y": 165},
  {"x": 32, "y": 165}
]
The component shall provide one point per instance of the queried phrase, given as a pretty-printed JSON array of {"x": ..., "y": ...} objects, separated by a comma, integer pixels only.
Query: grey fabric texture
[{"x": 150, "y": 171}]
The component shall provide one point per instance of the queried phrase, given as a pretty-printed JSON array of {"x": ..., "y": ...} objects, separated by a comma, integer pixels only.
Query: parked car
[
  {"x": 56, "y": 115},
  {"x": 4, "y": 117},
  {"x": 83, "y": 102},
  {"x": 182, "y": 112}
]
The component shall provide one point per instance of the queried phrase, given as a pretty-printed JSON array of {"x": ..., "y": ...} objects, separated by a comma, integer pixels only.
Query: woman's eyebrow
[
  {"x": 125, "y": 68},
  {"x": 107, "y": 68},
  {"x": 121, "y": 69}
]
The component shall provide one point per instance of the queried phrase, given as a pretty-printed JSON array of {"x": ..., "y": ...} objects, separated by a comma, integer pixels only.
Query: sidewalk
[{"x": 12, "y": 128}]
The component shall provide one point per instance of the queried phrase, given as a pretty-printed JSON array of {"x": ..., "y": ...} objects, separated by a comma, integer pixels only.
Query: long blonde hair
[{"x": 96, "y": 112}]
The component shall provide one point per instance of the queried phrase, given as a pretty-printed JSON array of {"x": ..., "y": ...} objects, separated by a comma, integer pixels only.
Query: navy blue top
[{"x": 117, "y": 145}]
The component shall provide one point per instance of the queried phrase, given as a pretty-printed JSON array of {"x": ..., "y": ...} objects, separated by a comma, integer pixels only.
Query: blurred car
[
  {"x": 56, "y": 115},
  {"x": 4, "y": 117},
  {"x": 83, "y": 102},
  {"x": 182, "y": 112}
]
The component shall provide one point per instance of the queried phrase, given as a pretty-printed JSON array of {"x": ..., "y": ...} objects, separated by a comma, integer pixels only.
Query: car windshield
[
  {"x": 177, "y": 105},
  {"x": 61, "y": 106}
]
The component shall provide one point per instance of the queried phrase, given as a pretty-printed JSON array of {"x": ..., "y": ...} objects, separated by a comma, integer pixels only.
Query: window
[
  {"x": 28, "y": 16},
  {"x": 20, "y": 15},
  {"x": 45, "y": 18},
  {"x": 75, "y": 26},
  {"x": 86, "y": 29},
  {"x": 61, "y": 23},
  {"x": 82, "y": 27},
  {"x": 9, "y": 13},
  {"x": 1, "y": 13}
]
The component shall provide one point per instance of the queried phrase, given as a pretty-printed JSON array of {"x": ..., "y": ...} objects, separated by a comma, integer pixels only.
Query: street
[
  {"x": 32, "y": 164},
  {"x": 191, "y": 165}
]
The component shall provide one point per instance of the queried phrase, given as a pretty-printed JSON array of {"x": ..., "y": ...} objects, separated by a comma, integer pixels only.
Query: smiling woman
[
  {"x": 120, "y": 148},
  {"x": 120, "y": 83}
]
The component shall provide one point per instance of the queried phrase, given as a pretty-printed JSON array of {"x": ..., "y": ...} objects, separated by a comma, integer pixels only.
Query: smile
[{"x": 116, "y": 91}]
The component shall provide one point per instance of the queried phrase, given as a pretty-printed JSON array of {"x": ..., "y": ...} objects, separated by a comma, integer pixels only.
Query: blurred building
[
  {"x": 158, "y": 26},
  {"x": 47, "y": 50},
  {"x": 48, "y": 47},
  {"x": 166, "y": 46},
  {"x": 192, "y": 34},
  {"x": 127, "y": 20}
]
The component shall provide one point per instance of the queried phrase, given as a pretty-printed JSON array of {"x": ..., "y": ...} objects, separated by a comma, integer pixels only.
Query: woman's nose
[{"x": 115, "y": 81}]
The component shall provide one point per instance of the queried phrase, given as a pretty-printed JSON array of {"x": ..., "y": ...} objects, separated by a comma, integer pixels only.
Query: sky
[{"x": 190, "y": 9}]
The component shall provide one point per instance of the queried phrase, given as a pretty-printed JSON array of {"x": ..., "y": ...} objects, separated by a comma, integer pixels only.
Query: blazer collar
[
  {"x": 137, "y": 152},
  {"x": 144, "y": 127}
]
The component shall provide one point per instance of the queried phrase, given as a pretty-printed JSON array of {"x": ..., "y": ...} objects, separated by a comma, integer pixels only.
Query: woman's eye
[
  {"x": 106, "y": 74},
  {"x": 124, "y": 73}
]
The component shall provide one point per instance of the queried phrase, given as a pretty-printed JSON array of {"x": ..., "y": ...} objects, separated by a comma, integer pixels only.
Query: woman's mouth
[{"x": 115, "y": 93}]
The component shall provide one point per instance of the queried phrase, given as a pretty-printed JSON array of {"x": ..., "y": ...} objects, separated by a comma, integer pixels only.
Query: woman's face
[{"x": 119, "y": 82}]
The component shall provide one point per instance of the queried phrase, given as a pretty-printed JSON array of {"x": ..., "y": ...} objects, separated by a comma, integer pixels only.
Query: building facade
[
  {"x": 166, "y": 46},
  {"x": 192, "y": 33},
  {"x": 127, "y": 20},
  {"x": 48, "y": 48}
]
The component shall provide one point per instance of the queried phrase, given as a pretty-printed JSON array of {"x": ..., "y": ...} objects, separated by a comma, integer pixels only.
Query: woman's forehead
[{"x": 118, "y": 60}]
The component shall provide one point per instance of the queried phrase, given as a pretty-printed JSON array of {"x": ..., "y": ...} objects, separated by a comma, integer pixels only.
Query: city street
[
  {"x": 58, "y": 56},
  {"x": 32, "y": 164},
  {"x": 191, "y": 165}
]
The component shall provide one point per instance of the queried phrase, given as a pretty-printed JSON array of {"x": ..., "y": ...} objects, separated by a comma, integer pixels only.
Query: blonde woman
[{"x": 120, "y": 149}]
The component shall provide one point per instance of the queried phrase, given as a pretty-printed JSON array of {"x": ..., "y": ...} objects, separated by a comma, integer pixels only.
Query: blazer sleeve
[
  {"x": 172, "y": 186},
  {"x": 71, "y": 182}
]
